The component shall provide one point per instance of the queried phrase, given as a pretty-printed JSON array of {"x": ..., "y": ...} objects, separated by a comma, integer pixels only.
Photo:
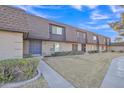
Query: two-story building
[{"x": 22, "y": 34}]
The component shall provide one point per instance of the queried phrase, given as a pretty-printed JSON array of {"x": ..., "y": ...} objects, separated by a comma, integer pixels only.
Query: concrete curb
[{"x": 18, "y": 84}]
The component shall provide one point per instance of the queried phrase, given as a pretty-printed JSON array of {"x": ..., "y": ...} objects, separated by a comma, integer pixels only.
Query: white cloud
[
  {"x": 97, "y": 16},
  {"x": 91, "y": 22},
  {"x": 116, "y": 8},
  {"x": 30, "y": 9},
  {"x": 78, "y": 7},
  {"x": 44, "y": 15},
  {"x": 91, "y": 6},
  {"x": 102, "y": 27},
  {"x": 98, "y": 27}
]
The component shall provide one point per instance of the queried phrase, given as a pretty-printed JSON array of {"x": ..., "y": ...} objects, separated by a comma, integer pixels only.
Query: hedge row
[
  {"x": 68, "y": 53},
  {"x": 14, "y": 70}
]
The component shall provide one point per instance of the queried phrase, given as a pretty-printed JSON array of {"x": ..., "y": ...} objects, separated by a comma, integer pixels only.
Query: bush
[
  {"x": 93, "y": 51},
  {"x": 68, "y": 53},
  {"x": 121, "y": 51},
  {"x": 27, "y": 56},
  {"x": 18, "y": 69},
  {"x": 112, "y": 51}
]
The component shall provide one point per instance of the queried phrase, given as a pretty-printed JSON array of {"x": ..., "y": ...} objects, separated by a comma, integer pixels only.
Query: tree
[{"x": 119, "y": 25}]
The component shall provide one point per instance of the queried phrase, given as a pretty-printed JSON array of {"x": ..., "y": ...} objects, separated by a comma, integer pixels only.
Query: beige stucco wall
[
  {"x": 91, "y": 47},
  {"x": 26, "y": 46},
  {"x": 117, "y": 48},
  {"x": 47, "y": 47},
  {"x": 79, "y": 47},
  {"x": 11, "y": 45},
  {"x": 102, "y": 48}
]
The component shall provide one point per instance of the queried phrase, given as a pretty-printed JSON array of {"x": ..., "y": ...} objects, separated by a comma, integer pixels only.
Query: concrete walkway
[
  {"x": 115, "y": 75},
  {"x": 53, "y": 78}
]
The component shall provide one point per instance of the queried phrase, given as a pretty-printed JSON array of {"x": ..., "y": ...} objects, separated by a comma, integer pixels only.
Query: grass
[
  {"x": 83, "y": 70},
  {"x": 40, "y": 83}
]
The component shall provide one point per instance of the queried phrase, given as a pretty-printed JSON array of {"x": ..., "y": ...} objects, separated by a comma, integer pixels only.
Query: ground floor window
[{"x": 56, "y": 47}]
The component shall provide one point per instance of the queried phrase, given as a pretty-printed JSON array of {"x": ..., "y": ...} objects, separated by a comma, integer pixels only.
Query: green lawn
[{"x": 83, "y": 70}]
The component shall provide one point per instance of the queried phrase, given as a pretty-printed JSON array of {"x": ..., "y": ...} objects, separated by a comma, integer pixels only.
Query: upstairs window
[
  {"x": 94, "y": 38},
  {"x": 78, "y": 34},
  {"x": 57, "y": 30},
  {"x": 81, "y": 35},
  {"x": 105, "y": 40},
  {"x": 84, "y": 35}
]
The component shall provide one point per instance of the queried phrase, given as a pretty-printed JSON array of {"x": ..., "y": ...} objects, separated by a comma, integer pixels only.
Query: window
[
  {"x": 78, "y": 34},
  {"x": 84, "y": 35},
  {"x": 104, "y": 40},
  {"x": 57, "y": 30},
  {"x": 81, "y": 35},
  {"x": 56, "y": 47},
  {"x": 94, "y": 38}
]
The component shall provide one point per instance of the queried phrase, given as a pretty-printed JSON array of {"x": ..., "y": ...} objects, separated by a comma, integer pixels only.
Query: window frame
[
  {"x": 57, "y": 30},
  {"x": 80, "y": 35},
  {"x": 94, "y": 37},
  {"x": 56, "y": 47}
]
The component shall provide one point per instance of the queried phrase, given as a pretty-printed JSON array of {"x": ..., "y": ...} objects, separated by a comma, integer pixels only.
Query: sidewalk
[
  {"x": 53, "y": 78},
  {"x": 115, "y": 75}
]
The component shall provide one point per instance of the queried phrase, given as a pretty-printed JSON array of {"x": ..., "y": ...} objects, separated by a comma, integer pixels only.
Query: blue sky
[{"x": 94, "y": 18}]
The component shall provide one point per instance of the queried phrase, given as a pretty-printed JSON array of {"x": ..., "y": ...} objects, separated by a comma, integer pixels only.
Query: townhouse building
[{"x": 22, "y": 34}]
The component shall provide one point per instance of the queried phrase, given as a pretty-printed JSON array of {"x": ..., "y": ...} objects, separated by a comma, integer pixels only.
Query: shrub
[
  {"x": 93, "y": 51},
  {"x": 18, "y": 69},
  {"x": 121, "y": 51},
  {"x": 68, "y": 53},
  {"x": 112, "y": 51},
  {"x": 27, "y": 56}
]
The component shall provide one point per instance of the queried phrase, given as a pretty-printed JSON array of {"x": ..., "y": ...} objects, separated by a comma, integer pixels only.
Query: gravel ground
[
  {"x": 83, "y": 70},
  {"x": 40, "y": 83}
]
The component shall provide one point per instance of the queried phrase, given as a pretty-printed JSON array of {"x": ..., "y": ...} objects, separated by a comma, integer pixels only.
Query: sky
[{"x": 94, "y": 18}]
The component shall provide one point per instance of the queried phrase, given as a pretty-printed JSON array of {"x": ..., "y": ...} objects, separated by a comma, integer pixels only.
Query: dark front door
[
  {"x": 35, "y": 47},
  {"x": 84, "y": 47}
]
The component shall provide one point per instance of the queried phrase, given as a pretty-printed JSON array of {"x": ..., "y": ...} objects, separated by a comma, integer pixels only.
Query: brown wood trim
[
  {"x": 53, "y": 40},
  {"x": 102, "y": 45},
  {"x": 80, "y": 31},
  {"x": 11, "y": 31},
  {"x": 95, "y": 44},
  {"x": 66, "y": 41},
  {"x": 57, "y": 25}
]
